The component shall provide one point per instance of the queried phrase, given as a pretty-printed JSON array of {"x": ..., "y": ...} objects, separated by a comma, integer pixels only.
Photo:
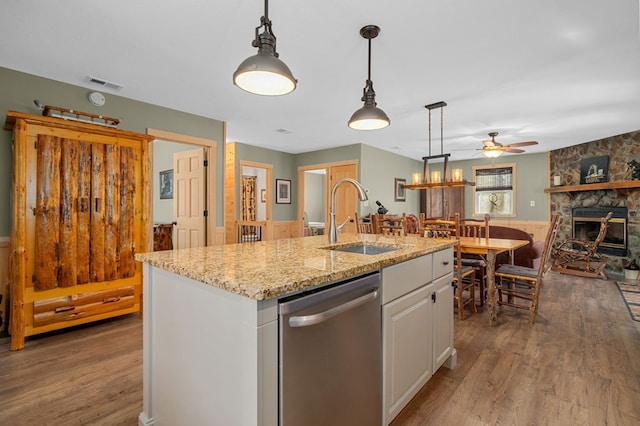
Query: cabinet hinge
[
  {"x": 206, "y": 163},
  {"x": 206, "y": 213}
]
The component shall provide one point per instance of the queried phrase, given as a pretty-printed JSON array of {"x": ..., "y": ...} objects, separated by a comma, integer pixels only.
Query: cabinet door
[
  {"x": 442, "y": 320},
  {"x": 442, "y": 202},
  {"x": 407, "y": 348}
]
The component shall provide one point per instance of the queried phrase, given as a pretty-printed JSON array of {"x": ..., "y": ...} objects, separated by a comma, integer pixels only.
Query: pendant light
[
  {"x": 264, "y": 73},
  {"x": 437, "y": 178},
  {"x": 369, "y": 117}
]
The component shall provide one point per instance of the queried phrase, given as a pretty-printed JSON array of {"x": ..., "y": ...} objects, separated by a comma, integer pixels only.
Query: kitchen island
[{"x": 211, "y": 320}]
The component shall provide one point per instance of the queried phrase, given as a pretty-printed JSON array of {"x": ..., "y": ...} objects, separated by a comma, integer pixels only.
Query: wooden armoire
[
  {"x": 79, "y": 214},
  {"x": 442, "y": 202}
]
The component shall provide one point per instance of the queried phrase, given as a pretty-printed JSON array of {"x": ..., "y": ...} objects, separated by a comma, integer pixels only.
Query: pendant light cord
[
  {"x": 441, "y": 132},
  {"x": 429, "y": 133}
]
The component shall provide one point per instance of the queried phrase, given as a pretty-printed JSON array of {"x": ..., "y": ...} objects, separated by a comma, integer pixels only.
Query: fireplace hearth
[{"x": 586, "y": 226}]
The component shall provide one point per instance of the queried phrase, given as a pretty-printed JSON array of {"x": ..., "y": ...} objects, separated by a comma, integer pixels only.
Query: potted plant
[{"x": 631, "y": 270}]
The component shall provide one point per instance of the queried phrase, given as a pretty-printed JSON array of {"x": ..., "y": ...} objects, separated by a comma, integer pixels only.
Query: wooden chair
[
  {"x": 520, "y": 284},
  {"x": 476, "y": 228},
  {"x": 464, "y": 277},
  {"x": 411, "y": 224},
  {"x": 363, "y": 227},
  {"x": 392, "y": 226},
  {"x": 579, "y": 257}
]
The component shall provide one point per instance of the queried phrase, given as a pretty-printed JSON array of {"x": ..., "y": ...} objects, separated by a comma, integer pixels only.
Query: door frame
[
  {"x": 210, "y": 192},
  {"x": 328, "y": 187}
]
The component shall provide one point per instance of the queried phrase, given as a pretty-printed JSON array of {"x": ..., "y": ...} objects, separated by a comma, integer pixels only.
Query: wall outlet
[{"x": 533, "y": 203}]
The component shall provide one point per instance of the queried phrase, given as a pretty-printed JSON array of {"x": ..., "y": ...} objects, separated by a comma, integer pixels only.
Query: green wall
[
  {"x": 330, "y": 155},
  {"x": 284, "y": 167},
  {"x": 18, "y": 90},
  {"x": 532, "y": 176},
  {"x": 378, "y": 171}
]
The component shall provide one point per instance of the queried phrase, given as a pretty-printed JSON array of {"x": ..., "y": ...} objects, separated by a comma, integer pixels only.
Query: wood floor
[{"x": 578, "y": 365}]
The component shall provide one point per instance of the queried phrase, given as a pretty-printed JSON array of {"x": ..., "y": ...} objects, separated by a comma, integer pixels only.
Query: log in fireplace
[{"x": 586, "y": 226}]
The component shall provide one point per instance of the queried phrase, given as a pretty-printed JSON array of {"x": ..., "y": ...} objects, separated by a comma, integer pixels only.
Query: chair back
[
  {"x": 477, "y": 228},
  {"x": 363, "y": 227},
  {"x": 392, "y": 225},
  {"x": 548, "y": 244},
  {"x": 411, "y": 224},
  {"x": 604, "y": 224},
  {"x": 441, "y": 228}
]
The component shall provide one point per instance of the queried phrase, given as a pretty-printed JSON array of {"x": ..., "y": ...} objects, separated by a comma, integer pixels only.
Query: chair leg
[
  {"x": 459, "y": 298},
  {"x": 534, "y": 303},
  {"x": 472, "y": 292}
]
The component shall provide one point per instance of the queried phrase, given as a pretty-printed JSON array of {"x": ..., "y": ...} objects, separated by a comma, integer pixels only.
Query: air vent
[
  {"x": 284, "y": 131},
  {"x": 105, "y": 83}
]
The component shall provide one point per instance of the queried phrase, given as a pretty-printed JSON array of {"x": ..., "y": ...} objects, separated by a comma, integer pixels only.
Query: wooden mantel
[{"x": 627, "y": 184}]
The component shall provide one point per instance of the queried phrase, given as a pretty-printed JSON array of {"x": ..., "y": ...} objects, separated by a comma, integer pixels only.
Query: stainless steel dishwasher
[{"x": 330, "y": 355}]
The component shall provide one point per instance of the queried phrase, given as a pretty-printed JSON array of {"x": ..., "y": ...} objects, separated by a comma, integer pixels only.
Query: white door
[{"x": 189, "y": 175}]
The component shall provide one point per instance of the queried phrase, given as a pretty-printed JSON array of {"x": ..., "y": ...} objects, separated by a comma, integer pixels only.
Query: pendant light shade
[
  {"x": 369, "y": 117},
  {"x": 264, "y": 73}
]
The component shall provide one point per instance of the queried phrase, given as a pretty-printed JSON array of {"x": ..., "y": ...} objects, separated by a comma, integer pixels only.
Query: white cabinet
[
  {"x": 417, "y": 326},
  {"x": 407, "y": 349},
  {"x": 442, "y": 293}
]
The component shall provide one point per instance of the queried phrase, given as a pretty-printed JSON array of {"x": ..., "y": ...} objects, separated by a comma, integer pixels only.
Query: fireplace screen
[{"x": 586, "y": 226}]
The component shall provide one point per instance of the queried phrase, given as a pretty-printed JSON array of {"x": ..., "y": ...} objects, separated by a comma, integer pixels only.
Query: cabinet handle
[
  {"x": 433, "y": 297},
  {"x": 445, "y": 262}
]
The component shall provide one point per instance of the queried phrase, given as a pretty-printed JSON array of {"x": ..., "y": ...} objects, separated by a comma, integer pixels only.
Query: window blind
[{"x": 497, "y": 179}]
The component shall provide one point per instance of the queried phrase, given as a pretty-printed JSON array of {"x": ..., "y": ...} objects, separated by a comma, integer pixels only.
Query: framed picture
[
  {"x": 166, "y": 184},
  {"x": 263, "y": 195},
  {"x": 594, "y": 170},
  {"x": 283, "y": 191},
  {"x": 399, "y": 193}
]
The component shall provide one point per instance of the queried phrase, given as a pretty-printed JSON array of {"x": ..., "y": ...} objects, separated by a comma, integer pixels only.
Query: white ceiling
[{"x": 559, "y": 72}]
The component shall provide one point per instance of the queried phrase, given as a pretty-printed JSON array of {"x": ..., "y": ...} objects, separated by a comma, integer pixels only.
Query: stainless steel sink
[{"x": 364, "y": 248}]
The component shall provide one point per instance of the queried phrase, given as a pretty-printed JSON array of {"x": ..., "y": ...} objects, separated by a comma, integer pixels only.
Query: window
[{"x": 494, "y": 192}]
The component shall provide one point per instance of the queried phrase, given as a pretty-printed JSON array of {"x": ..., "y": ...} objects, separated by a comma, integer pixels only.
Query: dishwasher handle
[{"x": 307, "y": 320}]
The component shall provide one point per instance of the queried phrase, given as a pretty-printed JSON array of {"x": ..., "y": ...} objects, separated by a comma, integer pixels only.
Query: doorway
[
  {"x": 163, "y": 206},
  {"x": 315, "y": 183}
]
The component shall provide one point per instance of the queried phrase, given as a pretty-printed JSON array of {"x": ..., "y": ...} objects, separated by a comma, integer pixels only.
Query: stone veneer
[{"x": 566, "y": 164}]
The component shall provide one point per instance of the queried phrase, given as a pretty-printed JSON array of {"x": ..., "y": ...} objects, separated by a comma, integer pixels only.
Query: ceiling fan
[{"x": 493, "y": 149}]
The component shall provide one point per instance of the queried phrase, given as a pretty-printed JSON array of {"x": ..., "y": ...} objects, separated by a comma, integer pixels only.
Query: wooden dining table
[{"x": 489, "y": 248}]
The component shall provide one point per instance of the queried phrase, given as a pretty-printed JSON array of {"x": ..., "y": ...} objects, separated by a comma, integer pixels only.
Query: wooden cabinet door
[{"x": 442, "y": 202}]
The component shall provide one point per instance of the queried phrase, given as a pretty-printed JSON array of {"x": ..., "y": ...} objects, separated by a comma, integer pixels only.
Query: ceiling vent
[
  {"x": 284, "y": 131},
  {"x": 105, "y": 83}
]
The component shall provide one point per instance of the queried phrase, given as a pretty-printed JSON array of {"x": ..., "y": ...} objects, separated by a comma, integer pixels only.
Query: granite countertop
[{"x": 269, "y": 269}]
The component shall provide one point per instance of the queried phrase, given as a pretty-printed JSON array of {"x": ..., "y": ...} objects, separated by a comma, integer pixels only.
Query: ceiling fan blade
[
  {"x": 528, "y": 143},
  {"x": 514, "y": 150}
]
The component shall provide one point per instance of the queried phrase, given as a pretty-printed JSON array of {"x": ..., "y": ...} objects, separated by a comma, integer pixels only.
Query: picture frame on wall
[
  {"x": 594, "y": 170},
  {"x": 399, "y": 193},
  {"x": 166, "y": 184},
  {"x": 283, "y": 191}
]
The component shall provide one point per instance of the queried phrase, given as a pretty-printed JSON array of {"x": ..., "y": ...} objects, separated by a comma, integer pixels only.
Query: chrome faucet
[{"x": 333, "y": 229}]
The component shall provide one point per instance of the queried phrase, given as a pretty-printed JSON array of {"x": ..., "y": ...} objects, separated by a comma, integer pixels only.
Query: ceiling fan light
[
  {"x": 492, "y": 153},
  {"x": 369, "y": 118},
  {"x": 264, "y": 74}
]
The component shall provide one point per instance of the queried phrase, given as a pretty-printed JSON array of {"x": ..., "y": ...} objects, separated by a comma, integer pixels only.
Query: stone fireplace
[{"x": 565, "y": 163}]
